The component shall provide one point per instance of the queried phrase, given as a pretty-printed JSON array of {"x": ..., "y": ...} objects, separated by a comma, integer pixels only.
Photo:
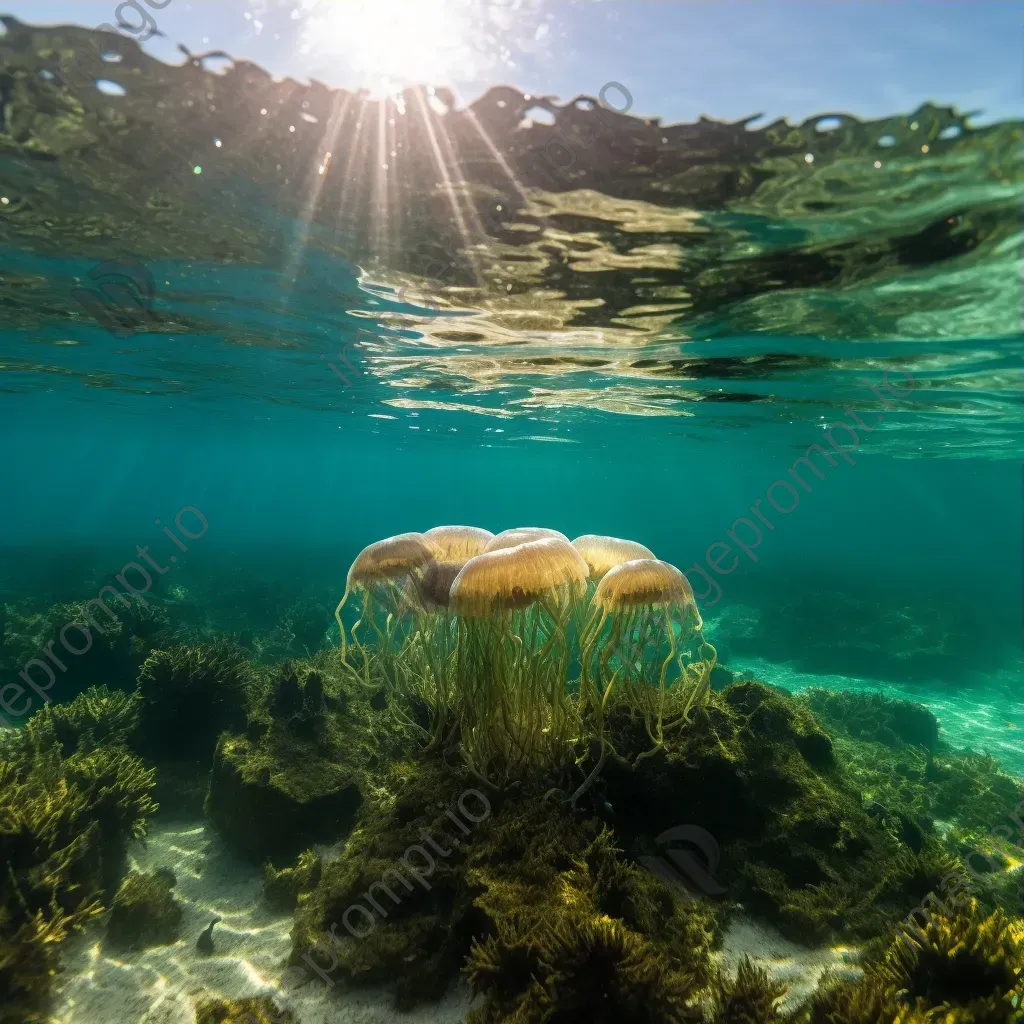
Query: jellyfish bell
[
  {"x": 507, "y": 578},
  {"x": 458, "y": 543},
  {"x": 523, "y": 535},
  {"x": 649, "y": 605},
  {"x": 382, "y": 568},
  {"x": 602, "y": 554},
  {"x": 390, "y": 559},
  {"x": 646, "y": 582}
]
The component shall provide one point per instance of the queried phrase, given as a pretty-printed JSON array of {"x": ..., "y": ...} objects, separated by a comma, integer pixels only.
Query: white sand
[
  {"x": 799, "y": 967},
  {"x": 162, "y": 985}
]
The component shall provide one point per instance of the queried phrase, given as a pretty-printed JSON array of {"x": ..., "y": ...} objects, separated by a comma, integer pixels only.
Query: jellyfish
[
  {"x": 604, "y": 553},
  {"x": 458, "y": 543},
  {"x": 379, "y": 572},
  {"x": 651, "y": 609},
  {"x": 522, "y": 535},
  {"x": 514, "y": 605}
]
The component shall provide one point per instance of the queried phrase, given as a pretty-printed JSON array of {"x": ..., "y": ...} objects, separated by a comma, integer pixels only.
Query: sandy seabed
[{"x": 162, "y": 985}]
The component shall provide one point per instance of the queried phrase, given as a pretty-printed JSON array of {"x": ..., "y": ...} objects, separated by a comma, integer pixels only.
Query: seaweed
[
  {"x": 294, "y": 776},
  {"x": 29, "y": 954},
  {"x": 96, "y": 717},
  {"x": 497, "y": 870},
  {"x": 187, "y": 697},
  {"x": 752, "y": 997},
  {"x": 956, "y": 964},
  {"x": 874, "y": 717},
  {"x": 144, "y": 912},
  {"x": 578, "y": 971},
  {"x": 242, "y": 1011},
  {"x": 64, "y": 827},
  {"x": 283, "y": 887}
]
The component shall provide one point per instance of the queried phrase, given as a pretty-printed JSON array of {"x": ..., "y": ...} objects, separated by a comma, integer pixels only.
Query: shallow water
[{"x": 784, "y": 357}]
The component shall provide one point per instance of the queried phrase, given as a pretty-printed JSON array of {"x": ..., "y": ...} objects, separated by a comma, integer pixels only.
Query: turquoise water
[{"x": 237, "y": 349}]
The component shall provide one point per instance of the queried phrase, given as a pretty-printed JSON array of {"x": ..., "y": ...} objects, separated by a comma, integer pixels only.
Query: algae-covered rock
[
  {"x": 96, "y": 717},
  {"x": 580, "y": 969},
  {"x": 755, "y": 772},
  {"x": 953, "y": 964},
  {"x": 242, "y": 1011},
  {"x": 293, "y": 778},
  {"x": 187, "y": 697},
  {"x": 282, "y": 888},
  {"x": 874, "y": 717},
  {"x": 435, "y": 863},
  {"x": 145, "y": 912},
  {"x": 65, "y": 823}
]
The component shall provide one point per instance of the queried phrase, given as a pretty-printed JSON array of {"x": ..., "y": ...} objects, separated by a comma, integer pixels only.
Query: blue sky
[{"x": 678, "y": 59}]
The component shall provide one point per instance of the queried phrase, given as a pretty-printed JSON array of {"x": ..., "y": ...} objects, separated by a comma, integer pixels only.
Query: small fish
[{"x": 1011, "y": 725}]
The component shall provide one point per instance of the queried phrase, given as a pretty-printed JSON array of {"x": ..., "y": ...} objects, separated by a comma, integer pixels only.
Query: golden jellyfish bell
[
  {"x": 603, "y": 554},
  {"x": 643, "y": 581},
  {"x": 523, "y": 535},
  {"x": 391, "y": 559},
  {"x": 458, "y": 543},
  {"x": 515, "y": 577}
]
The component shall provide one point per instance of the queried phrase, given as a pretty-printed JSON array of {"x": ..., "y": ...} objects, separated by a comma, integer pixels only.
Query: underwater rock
[
  {"x": 187, "y": 697},
  {"x": 293, "y": 778},
  {"x": 273, "y": 798},
  {"x": 145, "y": 912},
  {"x": 874, "y": 717},
  {"x": 755, "y": 771},
  {"x": 419, "y": 879},
  {"x": 282, "y": 888}
]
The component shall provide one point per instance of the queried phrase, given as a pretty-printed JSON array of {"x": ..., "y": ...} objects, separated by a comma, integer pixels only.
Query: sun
[{"x": 386, "y": 45}]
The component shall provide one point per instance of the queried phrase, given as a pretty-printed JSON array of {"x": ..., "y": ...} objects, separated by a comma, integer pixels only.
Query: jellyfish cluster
[{"x": 516, "y": 647}]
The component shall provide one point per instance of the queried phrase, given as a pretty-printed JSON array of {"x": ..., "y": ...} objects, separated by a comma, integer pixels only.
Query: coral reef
[
  {"x": 419, "y": 879},
  {"x": 757, "y": 773},
  {"x": 144, "y": 912},
  {"x": 118, "y": 640}
]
